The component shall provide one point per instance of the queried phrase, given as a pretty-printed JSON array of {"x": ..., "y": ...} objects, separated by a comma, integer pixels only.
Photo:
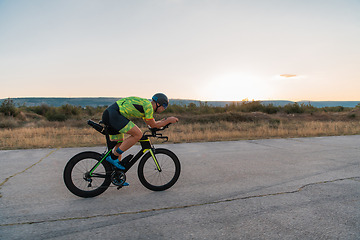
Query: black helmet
[{"x": 161, "y": 99}]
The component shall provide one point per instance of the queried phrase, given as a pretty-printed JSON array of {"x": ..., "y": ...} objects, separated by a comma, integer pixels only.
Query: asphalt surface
[{"x": 303, "y": 188}]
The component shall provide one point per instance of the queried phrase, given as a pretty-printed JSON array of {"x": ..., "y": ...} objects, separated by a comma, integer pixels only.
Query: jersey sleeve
[{"x": 148, "y": 111}]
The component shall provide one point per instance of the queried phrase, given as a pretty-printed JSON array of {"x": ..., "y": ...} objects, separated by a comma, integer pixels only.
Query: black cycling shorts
[{"x": 117, "y": 123}]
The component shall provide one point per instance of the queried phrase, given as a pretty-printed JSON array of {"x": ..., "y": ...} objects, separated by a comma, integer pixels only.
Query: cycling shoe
[{"x": 115, "y": 162}]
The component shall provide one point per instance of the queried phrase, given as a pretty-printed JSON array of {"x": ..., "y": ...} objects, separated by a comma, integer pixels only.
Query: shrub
[
  {"x": 334, "y": 109},
  {"x": 174, "y": 108},
  {"x": 270, "y": 109},
  {"x": 352, "y": 115},
  {"x": 254, "y": 106},
  {"x": 55, "y": 115},
  {"x": 308, "y": 108},
  {"x": 293, "y": 108},
  {"x": 8, "y": 107},
  {"x": 89, "y": 110},
  {"x": 41, "y": 110},
  {"x": 70, "y": 110}
]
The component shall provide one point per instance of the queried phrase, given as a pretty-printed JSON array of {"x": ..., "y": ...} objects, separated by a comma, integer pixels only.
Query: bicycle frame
[
  {"x": 145, "y": 146},
  {"x": 144, "y": 142}
]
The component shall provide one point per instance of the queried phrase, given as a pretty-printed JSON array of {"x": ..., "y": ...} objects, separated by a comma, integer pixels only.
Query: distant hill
[
  {"x": 317, "y": 104},
  {"x": 103, "y": 101},
  {"x": 56, "y": 102}
]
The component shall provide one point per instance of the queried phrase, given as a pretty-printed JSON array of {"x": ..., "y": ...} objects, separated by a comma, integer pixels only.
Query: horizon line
[{"x": 188, "y": 99}]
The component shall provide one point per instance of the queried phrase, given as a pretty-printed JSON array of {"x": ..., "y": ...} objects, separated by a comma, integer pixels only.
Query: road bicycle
[{"x": 88, "y": 174}]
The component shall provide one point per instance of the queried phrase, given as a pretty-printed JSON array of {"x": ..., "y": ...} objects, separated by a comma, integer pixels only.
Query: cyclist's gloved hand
[{"x": 172, "y": 119}]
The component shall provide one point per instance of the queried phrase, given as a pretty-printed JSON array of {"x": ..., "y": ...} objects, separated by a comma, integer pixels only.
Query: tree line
[{"x": 64, "y": 112}]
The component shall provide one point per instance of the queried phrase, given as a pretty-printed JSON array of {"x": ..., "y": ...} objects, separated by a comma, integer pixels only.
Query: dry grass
[
  {"x": 51, "y": 137},
  {"x": 224, "y": 131}
]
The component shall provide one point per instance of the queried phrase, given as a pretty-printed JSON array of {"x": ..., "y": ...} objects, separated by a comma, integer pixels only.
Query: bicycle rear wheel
[
  {"x": 78, "y": 180},
  {"x": 156, "y": 180}
]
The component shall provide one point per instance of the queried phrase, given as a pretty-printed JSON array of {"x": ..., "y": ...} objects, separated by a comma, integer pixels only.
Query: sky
[{"x": 210, "y": 50}]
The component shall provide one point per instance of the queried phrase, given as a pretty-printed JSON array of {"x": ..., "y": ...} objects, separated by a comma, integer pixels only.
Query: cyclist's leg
[
  {"x": 135, "y": 135},
  {"x": 119, "y": 138},
  {"x": 121, "y": 125},
  {"x": 116, "y": 123}
]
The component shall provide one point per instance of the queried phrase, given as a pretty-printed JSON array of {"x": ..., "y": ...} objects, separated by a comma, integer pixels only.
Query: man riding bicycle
[{"x": 117, "y": 118}]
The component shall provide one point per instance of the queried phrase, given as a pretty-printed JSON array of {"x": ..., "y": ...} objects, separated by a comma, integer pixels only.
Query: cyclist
[{"x": 117, "y": 118}]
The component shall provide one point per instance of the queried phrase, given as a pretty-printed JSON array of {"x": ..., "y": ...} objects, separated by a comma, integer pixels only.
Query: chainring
[{"x": 118, "y": 178}]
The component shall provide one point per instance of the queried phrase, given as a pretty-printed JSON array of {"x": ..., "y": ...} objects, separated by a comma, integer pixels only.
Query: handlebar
[
  {"x": 157, "y": 135},
  {"x": 154, "y": 130}
]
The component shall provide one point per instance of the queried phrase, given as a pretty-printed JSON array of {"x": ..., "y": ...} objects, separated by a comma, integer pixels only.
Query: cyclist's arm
[{"x": 161, "y": 123}]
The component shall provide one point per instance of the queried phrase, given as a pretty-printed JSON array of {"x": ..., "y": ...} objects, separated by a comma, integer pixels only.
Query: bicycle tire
[
  {"x": 151, "y": 177},
  {"x": 75, "y": 172}
]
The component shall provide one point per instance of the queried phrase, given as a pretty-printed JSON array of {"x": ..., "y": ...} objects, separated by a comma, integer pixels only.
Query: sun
[{"x": 234, "y": 87}]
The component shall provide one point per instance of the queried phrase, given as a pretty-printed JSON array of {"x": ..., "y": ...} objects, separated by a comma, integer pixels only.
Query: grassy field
[
  {"x": 53, "y": 128},
  {"x": 72, "y": 133}
]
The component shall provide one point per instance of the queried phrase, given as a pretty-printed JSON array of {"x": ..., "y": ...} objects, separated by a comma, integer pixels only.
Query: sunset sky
[{"x": 189, "y": 49}]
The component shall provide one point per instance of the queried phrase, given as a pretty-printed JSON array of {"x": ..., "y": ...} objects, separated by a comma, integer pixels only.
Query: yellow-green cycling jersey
[{"x": 136, "y": 107}]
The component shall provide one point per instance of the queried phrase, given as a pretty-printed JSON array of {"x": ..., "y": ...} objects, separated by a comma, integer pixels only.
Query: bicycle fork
[
  {"x": 152, "y": 151},
  {"x": 146, "y": 146}
]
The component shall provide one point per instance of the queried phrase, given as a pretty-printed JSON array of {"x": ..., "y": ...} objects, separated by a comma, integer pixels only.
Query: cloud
[
  {"x": 284, "y": 77},
  {"x": 288, "y": 75}
]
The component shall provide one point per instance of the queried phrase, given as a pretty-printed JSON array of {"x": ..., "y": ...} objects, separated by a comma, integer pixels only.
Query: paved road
[{"x": 304, "y": 188}]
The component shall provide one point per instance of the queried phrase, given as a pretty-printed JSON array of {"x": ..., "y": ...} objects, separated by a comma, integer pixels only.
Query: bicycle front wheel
[
  {"x": 78, "y": 180},
  {"x": 159, "y": 180}
]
